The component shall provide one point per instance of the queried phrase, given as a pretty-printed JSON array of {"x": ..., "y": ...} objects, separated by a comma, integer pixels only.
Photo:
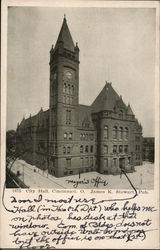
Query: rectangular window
[
  {"x": 91, "y": 137},
  {"x": 137, "y": 138},
  {"x": 81, "y": 149},
  {"x": 86, "y": 149},
  {"x": 87, "y": 161},
  {"x": 114, "y": 149},
  {"x": 68, "y": 163},
  {"x": 120, "y": 149},
  {"x": 91, "y": 148},
  {"x": 126, "y": 148},
  {"x": 68, "y": 150},
  {"x": 105, "y": 149},
  {"x": 114, "y": 162},
  {"x": 106, "y": 163},
  {"x": 91, "y": 161},
  {"x": 105, "y": 132},
  {"x": 82, "y": 161}
]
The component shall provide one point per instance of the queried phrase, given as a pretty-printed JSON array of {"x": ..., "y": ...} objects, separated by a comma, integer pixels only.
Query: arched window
[
  {"x": 64, "y": 99},
  {"x": 91, "y": 148},
  {"x": 121, "y": 133},
  {"x": 86, "y": 149},
  {"x": 65, "y": 135},
  {"x": 69, "y": 89},
  {"x": 67, "y": 99},
  {"x": 72, "y": 89},
  {"x": 71, "y": 99},
  {"x": 81, "y": 136},
  {"x": 68, "y": 150},
  {"x": 105, "y": 149},
  {"x": 115, "y": 132},
  {"x": 64, "y": 88},
  {"x": 106, "y": 132},
  {"x": 70, "y": 136},
  {"x": 126, "y": 133}
]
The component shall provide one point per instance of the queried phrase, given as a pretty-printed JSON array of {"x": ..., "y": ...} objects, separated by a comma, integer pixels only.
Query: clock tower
[{"x": 64, "y": 99}]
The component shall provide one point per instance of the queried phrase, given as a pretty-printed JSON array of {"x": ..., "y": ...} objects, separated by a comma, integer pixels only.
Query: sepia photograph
[
  {"x": 79, "y": 125},
  {"x": 80, "y": 98}
]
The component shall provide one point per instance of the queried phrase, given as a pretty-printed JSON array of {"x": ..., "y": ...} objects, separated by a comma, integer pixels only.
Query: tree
[{"x": 11, "y": 141}]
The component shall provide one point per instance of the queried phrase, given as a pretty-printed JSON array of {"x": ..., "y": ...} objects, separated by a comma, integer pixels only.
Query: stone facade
[
  {"x": 71, "y": 138},
  {"x": 148, "y": 149}
]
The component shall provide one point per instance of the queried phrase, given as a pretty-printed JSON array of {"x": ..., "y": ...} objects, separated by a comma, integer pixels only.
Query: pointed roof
[
  {"x": 120, "y": 103},
  {"x": 129, "y": 110},
  {"x": 106, "y": 99},
  {"x": 65, "y": 36}
]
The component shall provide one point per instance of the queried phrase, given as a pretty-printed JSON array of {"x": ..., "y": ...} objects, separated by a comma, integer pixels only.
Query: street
[{"x": 142, "y": 178}]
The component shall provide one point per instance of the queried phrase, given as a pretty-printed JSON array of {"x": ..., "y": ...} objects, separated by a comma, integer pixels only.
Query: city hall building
[{"x": 71, "y": 138}]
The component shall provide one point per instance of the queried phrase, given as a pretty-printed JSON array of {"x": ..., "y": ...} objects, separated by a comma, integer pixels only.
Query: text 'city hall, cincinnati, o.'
[{"x": 71, "y": 138}]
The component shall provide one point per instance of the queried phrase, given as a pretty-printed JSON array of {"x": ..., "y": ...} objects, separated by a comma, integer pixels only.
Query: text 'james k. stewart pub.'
[{"x": 71, "y": 138}]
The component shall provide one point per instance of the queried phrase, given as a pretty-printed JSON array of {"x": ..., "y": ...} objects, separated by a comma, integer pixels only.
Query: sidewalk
[{"x": 34, "y": 177}]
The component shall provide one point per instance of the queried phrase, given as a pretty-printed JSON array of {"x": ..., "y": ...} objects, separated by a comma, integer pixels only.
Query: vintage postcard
[{"x": 80, "y": 125}]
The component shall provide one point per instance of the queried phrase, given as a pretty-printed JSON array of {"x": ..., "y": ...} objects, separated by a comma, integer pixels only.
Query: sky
[{"x": 116, "y": 45}]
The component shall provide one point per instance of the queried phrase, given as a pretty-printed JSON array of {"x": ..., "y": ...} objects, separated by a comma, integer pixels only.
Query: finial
[
  {"x": 52, "y": 46},
  {"x": 65, "y": 17}
]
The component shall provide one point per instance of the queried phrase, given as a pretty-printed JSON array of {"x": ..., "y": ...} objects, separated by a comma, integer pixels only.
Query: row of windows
[
  {"x": 67, "y": 136},
  {"x": 86, "y": 161},
  {"x": 121, "y": 149},
  {"x": 86, "y": 149},
  {"x": 85, "y": 124},
  {"x": 138, "y": 147},
  {"x": 67, "y": 99},
  {"x": 137, "y": 156},
  {"x": 66, "y": 150},
  {"x": 137, "y": 138},
  {"x": 68, "y": 89},
  {"x": 85, "y": 136},
  {"x": 120, "y": 132}
]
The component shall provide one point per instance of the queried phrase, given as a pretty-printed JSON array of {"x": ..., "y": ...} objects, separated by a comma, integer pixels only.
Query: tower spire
[{"x": 65, "y": 36}]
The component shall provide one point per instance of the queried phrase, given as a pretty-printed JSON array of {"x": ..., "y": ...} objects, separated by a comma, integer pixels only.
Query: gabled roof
[
  {"x": 120, "y": 103},
  {"x": 106, "y": 100},
  {"x": 84, "y": 115},
  {"x": 65, "y": 37},
  {"x": 33, "y": 120},
  {"x": 129, "y": 110}
]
